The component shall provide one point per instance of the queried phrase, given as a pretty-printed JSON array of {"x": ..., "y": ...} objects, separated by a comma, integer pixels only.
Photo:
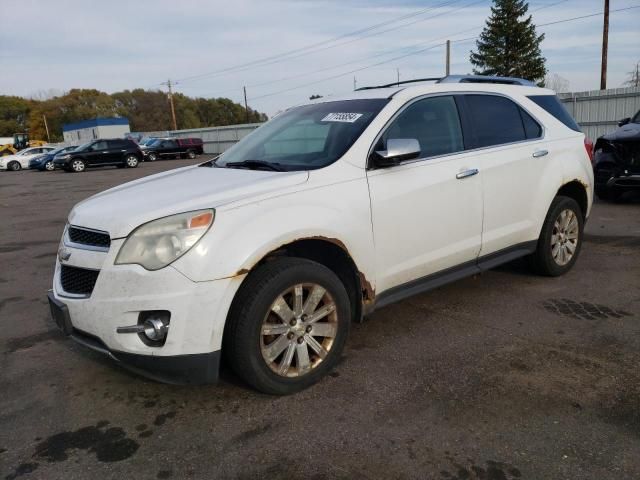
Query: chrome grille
[
  {"x": 78, "y": 281},
  {"x": 93, "y": 238}
]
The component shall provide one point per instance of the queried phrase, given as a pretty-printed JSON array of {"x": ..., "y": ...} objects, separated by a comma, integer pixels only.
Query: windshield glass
[
  {"x": 28, "y": 151},
  {"x": 83, "y": 147},
  {"x": 307, "y": 137},
  {"x": 636, "y": 118}
]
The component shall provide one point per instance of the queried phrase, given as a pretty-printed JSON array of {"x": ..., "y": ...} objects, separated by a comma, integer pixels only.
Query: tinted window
[
  {"x": 531, "y": 128},
  {"x": 99, "y": 146},
  {"x": 553, "y": 106},
  {"x": 434, "y": 122},
  {"x": 636, "y": 119},
  {"x": 495, "y": 120}
]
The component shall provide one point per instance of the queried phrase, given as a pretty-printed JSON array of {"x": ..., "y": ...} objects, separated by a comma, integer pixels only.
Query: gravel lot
[{"x": 501, "y": 376}]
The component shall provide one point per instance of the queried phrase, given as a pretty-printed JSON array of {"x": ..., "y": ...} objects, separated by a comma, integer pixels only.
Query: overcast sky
[{"x": 115, "y": 45}]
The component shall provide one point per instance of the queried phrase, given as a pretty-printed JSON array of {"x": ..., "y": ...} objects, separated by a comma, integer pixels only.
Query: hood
[
  {"x": 628, "y": 132},
  {"x": 123, "y": 208}
]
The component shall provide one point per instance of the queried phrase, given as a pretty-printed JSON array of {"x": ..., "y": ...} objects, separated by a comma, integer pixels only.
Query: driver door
[{"x": 426, "y": 212}]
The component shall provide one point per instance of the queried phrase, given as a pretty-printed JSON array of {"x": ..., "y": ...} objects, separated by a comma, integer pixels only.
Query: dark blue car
[{"x": 45, "y": 161}]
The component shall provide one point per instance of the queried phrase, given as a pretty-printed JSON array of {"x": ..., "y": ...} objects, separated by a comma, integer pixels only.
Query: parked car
[
  {"x": 20, "y": 160},
  {"x": 100, "y": 153},
  {"x": 616, "y": 162},
  {"x": 172, "y": 148},
  {"x": 45, "y": 161},
  {"x": 325, "y": 213}
]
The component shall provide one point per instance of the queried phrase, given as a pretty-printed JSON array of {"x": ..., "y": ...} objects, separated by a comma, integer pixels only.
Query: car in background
[
  {"x": 21, "y": 159},
  {"x": 145, "y": 141},
  {"x": 45, "y": 161},
  {"x": 616, "y": 162},
  {"x": 172, "y": 148},
  {"x": 117, "y": 152}
]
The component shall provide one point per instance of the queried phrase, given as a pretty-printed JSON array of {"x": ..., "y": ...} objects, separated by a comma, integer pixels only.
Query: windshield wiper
[{"x": 256, "y": 164}]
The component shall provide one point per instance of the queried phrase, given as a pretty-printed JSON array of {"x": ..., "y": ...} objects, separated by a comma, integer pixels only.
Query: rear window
[{"x": 553, "y": 106}]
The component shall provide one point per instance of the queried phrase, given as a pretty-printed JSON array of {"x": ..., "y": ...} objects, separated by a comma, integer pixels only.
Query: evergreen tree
[{"x": 508, "y": 45}]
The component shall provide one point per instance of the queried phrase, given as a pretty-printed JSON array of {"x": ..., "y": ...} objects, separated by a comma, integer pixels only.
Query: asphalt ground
[{"x": 504, "y": 375}]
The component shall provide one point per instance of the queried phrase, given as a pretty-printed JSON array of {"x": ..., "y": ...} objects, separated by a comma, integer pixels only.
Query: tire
[
  {"x": 131, "y": 161},
  {"x": 77, "y": 166},
  {"x": 553, "y": 256},
  {"x": 152, "y": 157},
  {"x": 191, "y": 154},
  {"x": 256, "y": 356},
  {"x": 49, "y": 166},
  {"x": 14, "y": 166}
]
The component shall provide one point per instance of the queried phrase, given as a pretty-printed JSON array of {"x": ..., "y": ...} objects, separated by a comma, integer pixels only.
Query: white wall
[{"x": 84, "y": 135}]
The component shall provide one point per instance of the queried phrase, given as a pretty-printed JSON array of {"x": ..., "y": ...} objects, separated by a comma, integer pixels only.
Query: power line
[
  {"x": 424, "y": 50},
  {"x": 304, "y": 51}
]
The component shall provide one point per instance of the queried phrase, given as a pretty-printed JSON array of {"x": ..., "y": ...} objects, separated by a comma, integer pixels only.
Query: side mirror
[
  {"x": 624, "y": 121},
  {"x": 398, "y": 150}
]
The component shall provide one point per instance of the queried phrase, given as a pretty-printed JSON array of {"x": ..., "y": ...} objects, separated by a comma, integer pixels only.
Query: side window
[
  {"x": 495, "y": 120},
  {"x": 531, "y": 128},
  {"x": 434, "y": 122},
  {"x": 99, "y": 146}
]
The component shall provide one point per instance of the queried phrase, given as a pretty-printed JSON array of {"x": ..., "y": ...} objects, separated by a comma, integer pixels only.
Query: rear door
[{"x": 513, "y": 158}]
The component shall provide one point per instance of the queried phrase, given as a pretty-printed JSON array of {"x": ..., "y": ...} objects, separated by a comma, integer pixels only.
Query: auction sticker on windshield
[{"x": 342, "y": 117}]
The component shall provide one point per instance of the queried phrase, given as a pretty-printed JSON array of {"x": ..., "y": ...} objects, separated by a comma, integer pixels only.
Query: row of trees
[{"x": 146, "y": 111}]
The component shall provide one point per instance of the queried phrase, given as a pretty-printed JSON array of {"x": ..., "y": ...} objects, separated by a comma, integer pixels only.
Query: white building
[{"x": 87, "y": 130}]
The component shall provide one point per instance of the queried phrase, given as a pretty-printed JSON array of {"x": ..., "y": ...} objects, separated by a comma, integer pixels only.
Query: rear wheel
[
  {"x": 152, "y": 157},
  {"x": 191, "y": 154},
  {"x": 49, "y": 166},
  {"x": 560, "y": 240},
  {"x": 287, "y": 326},
  {"x": 14, "y": 166},
  {"x": 77, "y": 166},
  {"x": 131, "y": 161}
]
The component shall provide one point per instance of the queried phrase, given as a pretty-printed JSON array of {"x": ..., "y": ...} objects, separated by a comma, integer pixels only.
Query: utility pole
[
  {"x": 355, "y": 84},
  {"x": 173, "y": 110},
  {"x": 605, "y": 47},
  {"x": 447, "y": 68},
  {"x": 246, "y": 107},
  {"x": 398, "y": 75},
  {"x": 46, "y": 127}
]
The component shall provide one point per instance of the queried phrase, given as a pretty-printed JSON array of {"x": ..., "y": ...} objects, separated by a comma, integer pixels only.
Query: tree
[
  {"x": 509, "y": 45},
  {"x": 315, "y": 97},
  {"x": 633, "y": 77},
  {"x": 557, "y": 83}
]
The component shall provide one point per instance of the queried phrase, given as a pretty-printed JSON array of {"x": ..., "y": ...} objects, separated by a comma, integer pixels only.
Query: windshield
[
  {"x": 28, "y": 151},
  {"x": 305, "y": 138},
  {"x": 636, "y": 118}
]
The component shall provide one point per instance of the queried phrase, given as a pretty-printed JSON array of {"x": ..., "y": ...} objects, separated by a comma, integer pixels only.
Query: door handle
[
  {"x": 467, "y": 173},
  {"x": 540, "y": 153}
]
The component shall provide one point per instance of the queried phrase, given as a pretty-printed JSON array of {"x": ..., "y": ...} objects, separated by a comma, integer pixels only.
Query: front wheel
[
  {"x": 560, "y": 239},
  {"x": 287, "y": 326},
  {"x": 152, "y": 157},
  {"x": 131, "y": 161},
  {"x": 14, "y": 166},
  {"x": 77, "y": 166},
  {"x": 49, "y": 166}
]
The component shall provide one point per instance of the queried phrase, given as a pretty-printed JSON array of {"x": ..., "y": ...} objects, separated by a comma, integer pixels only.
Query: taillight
[{"x": 588, "y": 145}]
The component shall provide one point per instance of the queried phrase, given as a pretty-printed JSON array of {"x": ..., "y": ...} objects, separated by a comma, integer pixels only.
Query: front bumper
[
  {"x": 194, "y": 369},
  {"x": 198, "y": 311}
]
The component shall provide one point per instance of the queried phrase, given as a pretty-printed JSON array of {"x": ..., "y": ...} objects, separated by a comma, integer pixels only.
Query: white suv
[{"x": 325, "y": 213}]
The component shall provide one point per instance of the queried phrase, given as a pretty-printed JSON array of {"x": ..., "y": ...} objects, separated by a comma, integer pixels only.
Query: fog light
[{"x": 155, "y": 329}]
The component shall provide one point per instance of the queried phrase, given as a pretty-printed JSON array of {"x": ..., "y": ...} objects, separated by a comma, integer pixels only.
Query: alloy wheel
[
  {"x": 132, "y": 161},
  {"x": 299, "y": 330},
  {"x": 565, "y": 237},
  {"x": 49, "y": 166},
  {"x": 77, "y": 165}
]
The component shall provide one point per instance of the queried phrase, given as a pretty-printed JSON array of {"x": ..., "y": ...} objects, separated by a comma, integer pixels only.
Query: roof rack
[
  {"x": 486, "y": 79},
  {"x": 397, "y": 84},
  {"x": 458, "y": 79}
]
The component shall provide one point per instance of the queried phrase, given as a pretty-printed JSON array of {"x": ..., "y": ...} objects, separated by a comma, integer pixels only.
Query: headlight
[
  {"x": 64, "y": 157},
  {"x": 158, "y": 243}
]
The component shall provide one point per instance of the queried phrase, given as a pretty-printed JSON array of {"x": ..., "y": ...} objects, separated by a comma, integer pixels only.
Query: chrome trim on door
[{"x": 467, "y": 173}]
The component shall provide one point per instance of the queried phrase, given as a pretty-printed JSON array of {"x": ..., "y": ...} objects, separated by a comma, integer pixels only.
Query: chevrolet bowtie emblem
[{"x": 64, "y": 254}]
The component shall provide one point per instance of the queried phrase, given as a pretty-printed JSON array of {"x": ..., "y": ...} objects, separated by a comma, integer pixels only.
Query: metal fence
[{"x": 598, "y": 111}]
